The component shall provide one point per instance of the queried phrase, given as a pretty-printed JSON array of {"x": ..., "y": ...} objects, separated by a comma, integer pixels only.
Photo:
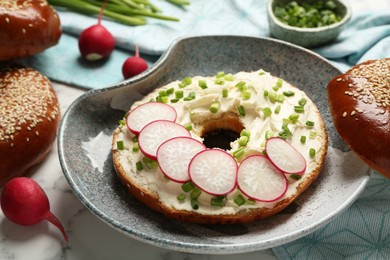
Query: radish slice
[
  {"x": 214, "y": 171},
  {"x": 157, "y": 132},
  {"x": 142, "y": 115},
  {"x": 260, "y": 180},
  {"x": 174, "y": 156},
  {"x": 285, "y": 157}
]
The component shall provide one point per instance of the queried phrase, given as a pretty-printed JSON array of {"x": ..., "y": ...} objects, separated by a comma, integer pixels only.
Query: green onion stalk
[{"x": 129, "y": 12}]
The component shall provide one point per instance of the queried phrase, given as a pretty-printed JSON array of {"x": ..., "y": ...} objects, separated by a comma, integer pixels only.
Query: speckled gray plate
[{"x": 85, "y": 138}]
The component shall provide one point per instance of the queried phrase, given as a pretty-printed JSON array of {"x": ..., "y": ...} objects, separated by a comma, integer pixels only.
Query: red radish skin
[
  {"x": 214, "y": 171},
  {"x": 157, "y": 132},
  {"x": 284, "y": 156},
  {"x": 260, "y": 180},
  {"x": 25, "y": 203},
  {"x": 96, "y": 42},
  {"x": 174, "y": 156},
  {"x": 134, "y": 65},
  {"x": 146, "y": 113}
]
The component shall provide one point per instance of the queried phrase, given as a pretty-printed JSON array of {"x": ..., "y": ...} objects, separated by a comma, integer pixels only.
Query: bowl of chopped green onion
[{"x": 308, "y": 23}]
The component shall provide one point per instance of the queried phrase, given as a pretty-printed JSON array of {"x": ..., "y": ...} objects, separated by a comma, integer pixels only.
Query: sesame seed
[
  {"x": 339, "y": 79},
  {"x": 344, "y": 114},
  {"x": 353, "y": 113}
]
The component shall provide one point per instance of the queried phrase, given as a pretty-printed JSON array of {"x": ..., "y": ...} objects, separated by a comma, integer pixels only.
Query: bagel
[
  {"x": 27, "y": 27},
  {"x": 253, "y": 92},
  {"x": 29, "y": 118},
  {"x": 359, "y": 102}
]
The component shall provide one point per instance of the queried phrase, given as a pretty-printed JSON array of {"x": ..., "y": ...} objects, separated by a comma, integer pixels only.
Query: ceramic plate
[{"x": 84, "y": 143}]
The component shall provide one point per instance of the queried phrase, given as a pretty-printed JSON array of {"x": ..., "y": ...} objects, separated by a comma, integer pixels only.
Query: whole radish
[
  {"x": 96, "y": 42},
  {"x": 25, "y": 203},
  {"x": 134, "y": 65}
]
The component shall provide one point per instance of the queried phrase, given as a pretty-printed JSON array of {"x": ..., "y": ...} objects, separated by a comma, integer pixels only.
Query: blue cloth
[{"x": 363, "y": 231}]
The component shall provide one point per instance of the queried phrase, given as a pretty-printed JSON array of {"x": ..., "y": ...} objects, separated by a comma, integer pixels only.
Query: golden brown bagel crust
[
  {"x": 359, "y": 101},
  {"x": 27, "y": 27},
  {"x": 29, "y": 118}
]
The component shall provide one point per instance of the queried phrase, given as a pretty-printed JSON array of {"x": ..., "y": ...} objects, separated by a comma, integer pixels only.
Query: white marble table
[{"x": 89, "y": 237}]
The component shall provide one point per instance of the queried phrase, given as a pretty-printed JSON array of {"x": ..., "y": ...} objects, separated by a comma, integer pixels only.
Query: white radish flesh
[
  {"x": 142, "y": 115},
  {"x": 260, "y": 180},
  {"x": 214, "y": 171},
  {"x": 157, "y": 132},
  {"x": 174, "y": 156},
  {"x": 284, "y": 156}
]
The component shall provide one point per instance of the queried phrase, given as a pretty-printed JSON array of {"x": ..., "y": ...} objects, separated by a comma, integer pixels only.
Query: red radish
[
  {"x": 284, "y": 156},
  {"x": 260, "y": 180},
  {"x": 25, "y": 203},
  {"x": 142, "y": 115},
  {"x": 134, "y": 65},
  {"x": 174, "y": 156},
  {"x": 214, "y": 171},
  {"x": 155, "y": 133},
  {"x": 96, "y": 42}
]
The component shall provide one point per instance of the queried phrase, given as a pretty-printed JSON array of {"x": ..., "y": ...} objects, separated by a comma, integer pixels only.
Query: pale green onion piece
[
  {"x": 241, "y": 110},
  {"x": 312, "y": 152},
  {"x": 312, "y": 135},
  {"x": 293, "y": 118},
  {"x": 277, "y": 109},
  {"x": 238, "y": 153},
  {"x": 202, "y": 84},
  {"x": 265, "y": 93},
  {"x": 243, "y": 140},
  {"x": 268, "y": 134},
  {"x": 229, "y": 77},
  {"x": 181, "y": 197},
  {"x": 219, "y": 81},
  {"x": 245, "y": 132},
  {"x": 185, "y": 82},
  {"x": 272, "y": 96},
  {"x": 225, "y": 93},
  {"x": 246, "y": 95},
  {"x": 267, "y": 112},
  {"x": 163, "y": 93},
  {"x": 302, "y": 102},
  {"x": 188, "y": 126},
  {"x": 288, "y": 93},
  {"x": 179, "y": 94},
  {"x": 122, "y": 122},
  {"x": 218, "y": 201},
  {"x": 214, "y": 107},
  {"x": 250, "y": 201},
  {"x": 164, "y": 99},
  {"x": 188, "y": 186},
  {"x": 239, "y": 200},
  {"x": 135, "y": 147},
  {"x": 299, "y": 109},
  {"x": 220, "y": 74},
  {"x": 120, "y": 145},
  {"x": 303, "y": 139},
  {"x": 280, "y": 98}
]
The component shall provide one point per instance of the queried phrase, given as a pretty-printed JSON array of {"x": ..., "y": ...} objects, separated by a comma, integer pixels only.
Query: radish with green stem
[
  {"x": 96, "y": 42},
  {"x": 25, "y": 203},
  {"x": 134, "y": 65}
]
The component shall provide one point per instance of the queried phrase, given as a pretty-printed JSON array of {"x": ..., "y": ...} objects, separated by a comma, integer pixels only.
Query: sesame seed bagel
[
  {"x": 359, "y": 101},
  {"x": 256, "y": 103},
  {"x": 29, "y": 118},
  {"x": 27, "y": 27}
]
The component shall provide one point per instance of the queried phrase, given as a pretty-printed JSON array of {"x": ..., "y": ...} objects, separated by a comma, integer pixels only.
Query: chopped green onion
[
  {"x": 246, "y": 95},
  {"x": 280, "y": 98},
  {"x": 181, "y": 197},
  {"x": 277, "y": 109},
  {"x": 220, "y": 74},
  {"x": 268, "y": 134},
  {"x": 241, "y": 85},
  {"x": 241, "y": 110},
  {"x": 170, "y": 91},
  {"x": 122, "y": 122},
  {"x": 229, "y": 77},
  {"x": 188, "y": 126},
  {"x": 149, "y": 163},
  {"x": 164, "y": 99},
  {"x": 272, "y": 96},
  {"x": 250, "y": 201},
  {"x": 293, "y": 118},
  {"x": 267, "y": 112},
  {"x": 179, "y": 94},
  {"x": 302, "y": 102},
  {"x": 243, "y": 140},
  {"x": 163, "y": 93},
  {"x": 195, "y": 203},
  {"x": 295, "y": 176},
  {"x": 239, "y": 200},
  {"x": 219, "y": 81},
  {"x": 135, "y": 147},
  {"x": 279, "y": 83},
  {"x": 191, "y": 96},
  {"x": 188, "y": 186},
  {"x": 185, "y": 82},
  {"x": 202, "y": 84},
  {"x": 312, "y": 134},
  {"x": 303, "y": 139},
  {"x": 139, "y": 166},
  {"x": 218, "y": 201},
  {"x": 288, "y": 93},
  {"x": 195, "y": 193},
  {"x": 238, "y": 153},
  {"x": 312, "y": 152},
  {"x": 299, "y": 109},
  {"x": 245, "y": 132},
  {"x": 261, "y": 73},
  {"x": 120, "y": 145},
  {"x": 265, "y": 94},
  {"x": 310, "y": 123},
  {"x": 174, "y": 100},
  {"x": 134, "y": 139},
  {"x": 214, "y": 107},
  {"x": 225, "y": 93}
]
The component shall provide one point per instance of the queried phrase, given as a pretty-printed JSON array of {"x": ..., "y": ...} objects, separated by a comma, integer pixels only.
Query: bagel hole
[{"x": 220, "y": 133}]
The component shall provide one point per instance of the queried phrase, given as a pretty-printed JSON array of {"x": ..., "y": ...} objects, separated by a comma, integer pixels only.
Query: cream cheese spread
[{"x": 265, "y": 105}]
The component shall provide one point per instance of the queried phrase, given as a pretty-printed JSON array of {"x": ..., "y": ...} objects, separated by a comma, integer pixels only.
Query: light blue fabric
[{"x": 363, "y": 231}]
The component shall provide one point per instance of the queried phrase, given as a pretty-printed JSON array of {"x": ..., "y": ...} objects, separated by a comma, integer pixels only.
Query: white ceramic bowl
[{"x": 307, "y": 37}]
